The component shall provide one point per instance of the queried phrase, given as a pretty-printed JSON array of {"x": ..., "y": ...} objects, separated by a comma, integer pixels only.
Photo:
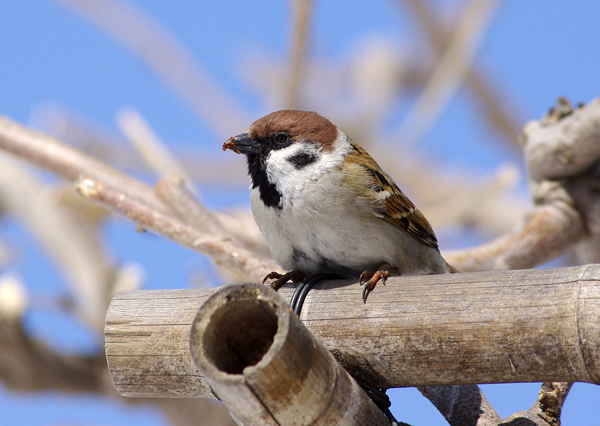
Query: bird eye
[{"x": 281, "y": 138}]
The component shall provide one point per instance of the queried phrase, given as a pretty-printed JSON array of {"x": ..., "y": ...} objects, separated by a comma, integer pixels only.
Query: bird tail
[{"x": 451, "y": 268}]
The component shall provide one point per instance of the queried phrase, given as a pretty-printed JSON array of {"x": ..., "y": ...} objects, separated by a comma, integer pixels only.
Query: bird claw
[
  {"x": 370, "y": 279},
  {"x": 280, "y": 279}
]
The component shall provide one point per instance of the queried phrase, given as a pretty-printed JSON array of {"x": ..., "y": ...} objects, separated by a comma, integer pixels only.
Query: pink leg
[{"x": 370, "y": 279}]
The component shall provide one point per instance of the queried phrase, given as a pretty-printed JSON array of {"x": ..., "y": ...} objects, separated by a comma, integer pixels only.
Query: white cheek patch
[
  {"x": 301, "y": 164},
  {"x": 279, "y": 166}
]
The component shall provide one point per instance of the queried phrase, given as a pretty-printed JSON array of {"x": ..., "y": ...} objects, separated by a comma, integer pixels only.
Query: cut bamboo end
[{"x": 267, "y": 367}]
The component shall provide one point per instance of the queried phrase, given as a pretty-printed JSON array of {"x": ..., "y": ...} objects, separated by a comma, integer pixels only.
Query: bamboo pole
[
  {"x": 485, "y": 327},
  {"x": 267, "y": 367}
]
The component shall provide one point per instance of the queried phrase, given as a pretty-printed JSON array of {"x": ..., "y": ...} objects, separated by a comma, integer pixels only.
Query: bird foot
[
  {"x": 280, "y": 279},
  {"x": 370, "y": 279}
]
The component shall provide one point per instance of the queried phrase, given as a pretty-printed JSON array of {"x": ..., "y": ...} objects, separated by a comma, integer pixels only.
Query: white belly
[{"x": 318, "y": 235}]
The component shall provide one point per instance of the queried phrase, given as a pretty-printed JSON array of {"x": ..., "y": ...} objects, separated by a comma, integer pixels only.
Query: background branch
[
  {"x": 363, "y": 83},
  {"x": 555, "y": 216},
  {"x": 168, "y": 58},
  {"x": 301, "y": 20},
  {"x": 237, "y": 260},
  {"x": 497, "y": 110},
  {"x": 566, "y": 203},
  {"x": 128, "y": 196}
]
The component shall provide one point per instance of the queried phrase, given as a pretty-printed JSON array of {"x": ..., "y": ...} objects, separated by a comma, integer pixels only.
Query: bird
[{"x": 324, "y": 205}]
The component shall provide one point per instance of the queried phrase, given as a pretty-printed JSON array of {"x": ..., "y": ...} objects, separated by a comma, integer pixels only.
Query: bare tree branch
[
  {"x": 52, "y": 155},
  {"x": 497, "y": 112},
  {"x": 462, "y": 405},
  {"x": 449, "y": 73},
  {"x": 186, "y": 207},
  {"x": 150, "y": 147},
  {"x": 168, "y": 58},
  {"x": 301, "y": 15},
  {"x": 128, "y": 196},
  {"x": 564, "y": 143},
  {"x": 73, "y": 244},
  {"x": 542, "y": 235},
  {"x": 242, "y": 263},
  {"x": 565, "y": 195},
  {"x": 29, "y": 365},
  {"x": 95, "y": 140}
]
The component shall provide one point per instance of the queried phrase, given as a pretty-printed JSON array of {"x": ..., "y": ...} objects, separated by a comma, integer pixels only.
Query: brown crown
[{"x": 299, "y": 125}]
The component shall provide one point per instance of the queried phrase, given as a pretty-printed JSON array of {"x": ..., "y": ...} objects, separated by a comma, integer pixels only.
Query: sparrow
[{"x": 325, "y": 206}]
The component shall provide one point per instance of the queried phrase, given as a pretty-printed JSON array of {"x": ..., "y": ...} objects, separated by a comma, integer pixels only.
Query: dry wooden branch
[
  {"x": 129, "y": 197},
  {"x": 564, "y": 145},
  {"x": 149, "y": 146},
  {"x": 168, "y": 58},
  {"x": 452, "y": 68},
  {"x": 494, "y": 327},
  {"x": 543, "y": 234},
  {"x": 237, "y": 260},
  {"x": 267, "y": 367},
  {"x": 497, "y": 110},
  {"x": 562, "y": 151},
  {"x": 52, "y": 155},
  {"x": 462, "y": 405},
  {"x": 29, "y": 365},
  {"x": 96, "y": 140},
  {"x": 241, "y": 228},
  {"x": 71, "y": 243},
  {"x": 302, "y": 11},
  {"x": 181, "y": 201}
]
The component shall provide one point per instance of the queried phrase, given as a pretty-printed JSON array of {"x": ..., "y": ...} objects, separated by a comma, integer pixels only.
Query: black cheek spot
[{"x": 302, "y": 160}]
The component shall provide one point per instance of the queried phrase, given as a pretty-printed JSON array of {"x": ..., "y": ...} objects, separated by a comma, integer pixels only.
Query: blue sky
[{"x": 533, "y": 52}]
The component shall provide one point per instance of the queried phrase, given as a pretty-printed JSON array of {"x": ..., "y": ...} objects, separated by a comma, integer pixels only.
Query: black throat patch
[{"x": 269, "y": 193}]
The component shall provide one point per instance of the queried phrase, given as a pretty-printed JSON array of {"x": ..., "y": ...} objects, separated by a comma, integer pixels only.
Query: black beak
[{"x": 242, "y": 144}]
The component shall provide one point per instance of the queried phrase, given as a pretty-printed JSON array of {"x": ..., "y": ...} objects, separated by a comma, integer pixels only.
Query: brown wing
[{"x": 388, "y": 201}]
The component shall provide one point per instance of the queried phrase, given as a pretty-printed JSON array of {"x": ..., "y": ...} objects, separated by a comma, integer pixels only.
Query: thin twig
[
  {"x": 240, "y": 262},
  {"x": 50, "y": 154},
  {"x": 496, "y": 110},
  {"x": 150, "y": 147},
  {"x": 94, "y": 140},
  {"x": 172, "y": 190},
  {"x": 301, "y": 14},
  {"x": 241, "y": 228},
  {"x": 168, "y": 58},
  {"x": 72, "y": 245},
  {"x": 452, "y": 69}
]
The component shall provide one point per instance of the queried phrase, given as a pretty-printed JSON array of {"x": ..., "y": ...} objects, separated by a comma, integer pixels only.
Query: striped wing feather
[{"x": 396, "y": 208}]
